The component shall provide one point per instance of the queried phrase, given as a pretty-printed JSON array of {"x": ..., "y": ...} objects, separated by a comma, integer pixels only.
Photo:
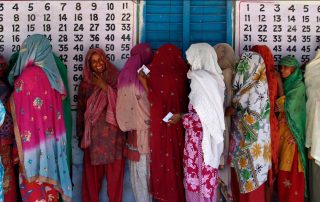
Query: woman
[
  {"x": 166, "y": 84},
  {"x": 133, "y": 115},
  {"x": 7, "y": 139},
  {"x": 204, "y": 124},
  {"x": 292, "y": 123},
  {"x": 227, "y": 61},
  {"x": 274, "y": 81},
  {"x": 97, "y": 128},
  {"x": 312, "y": 82},
  {"x": 39, "y": 123},
  {"x": 250, "y": 148}
]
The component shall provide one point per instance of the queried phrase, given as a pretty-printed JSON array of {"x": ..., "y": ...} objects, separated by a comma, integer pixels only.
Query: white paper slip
[
  {"x": 145, "y": 70},
  {"x": 167, "y": 117}
]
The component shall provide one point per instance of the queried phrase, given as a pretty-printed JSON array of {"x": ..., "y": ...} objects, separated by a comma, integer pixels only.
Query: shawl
[
  {"x": 267, "y": 56},
  {"x": 207, "y": 96},
  {"x": 133, "y": 108},
  {"x": 168, "y": 93},
  {"x": 312, "y": 82},
  {"x": 295, "y": 105},
  {"x": 99, "y": 99},
  {"x": 250, "y": 143},
  {"x": 37, "y": 48}
]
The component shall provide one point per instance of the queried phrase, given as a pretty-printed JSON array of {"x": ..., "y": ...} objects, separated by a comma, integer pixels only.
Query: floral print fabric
[
  {"x": 199, "y": 177},
  {"x": 250, "y": 148}
]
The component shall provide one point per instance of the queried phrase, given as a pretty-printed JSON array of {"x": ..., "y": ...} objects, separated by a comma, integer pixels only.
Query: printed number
[
  {"x": 109, "y": 47},
  {"x": 262, "y": 28},
  {"x": 126, "y": 16},
  {"x": 262, "y": 9},
  {"x": 277, "y": 7},
  {"x": 277, "y": 28},
  {"x": 262, "y": 38},
  {"x": 110, "y": 17},
  {"x": 247, "y": 28}
]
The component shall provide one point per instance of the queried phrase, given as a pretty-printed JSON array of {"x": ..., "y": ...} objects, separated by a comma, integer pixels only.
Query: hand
[
  {"x": 143, "y": 80},
  {"x": 99, "y": 82},
  {"x": 175, "y": 119},
  {"x": 229, "y": 111}
]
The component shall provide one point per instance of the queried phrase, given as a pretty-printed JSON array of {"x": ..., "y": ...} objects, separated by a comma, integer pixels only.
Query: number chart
[
  {"x": 286, "y": 27},
  {"x": 72, "y": 27}
]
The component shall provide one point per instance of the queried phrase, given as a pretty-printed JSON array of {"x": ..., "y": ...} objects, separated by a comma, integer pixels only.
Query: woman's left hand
[
  {"x": 175, "y": 119},
  {"x": 99, "y": 82}
]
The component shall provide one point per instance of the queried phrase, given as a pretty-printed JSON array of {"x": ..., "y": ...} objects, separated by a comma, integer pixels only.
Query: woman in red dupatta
[
  {"x": 167, "y": 87},
  {"x": 98, "y": 131},
  {"x": 274, "y": 82}
]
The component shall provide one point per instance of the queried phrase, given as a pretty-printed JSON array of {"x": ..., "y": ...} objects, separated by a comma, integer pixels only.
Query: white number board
[
  {"x": 286, "y": 27},
  {"x": 72, "y": 27}
]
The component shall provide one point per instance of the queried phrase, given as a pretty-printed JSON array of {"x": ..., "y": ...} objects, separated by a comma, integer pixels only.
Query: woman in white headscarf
[
  {"x": 204, "y": 124},
  {"x": 312, "y": 82},
  {"x": 227, "y": 61}
]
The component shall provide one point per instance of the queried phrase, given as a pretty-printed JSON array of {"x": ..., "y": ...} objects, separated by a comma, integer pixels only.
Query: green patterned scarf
[{"x": 295, "y": 105}]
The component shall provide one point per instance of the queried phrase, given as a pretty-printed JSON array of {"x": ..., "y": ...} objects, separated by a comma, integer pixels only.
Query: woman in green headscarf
[{"x": 292, "y": 123}]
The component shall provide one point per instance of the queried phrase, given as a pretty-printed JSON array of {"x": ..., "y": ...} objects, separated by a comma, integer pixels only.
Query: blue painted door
[{"x": 185, "y": 22}]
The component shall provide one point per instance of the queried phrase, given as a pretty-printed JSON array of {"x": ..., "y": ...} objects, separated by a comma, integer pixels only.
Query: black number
[
  {"x": 125, "y": 56},
  {"x": 16, "y": 28},
  {"x": 125, "y": 47},
  {"x": 277, "y": 38},
  {"x": 15, "y": 38},
  {"x": 247, "y": 18},
  {"x": 305, "y": 58},
  {"x": 305, "y": 48},
  {"x": 78, "y": 57},
  {"x": 1, "y": 46},
  {"x": 277, "y": 18},
  {"x": 110, "y": 27},
  {"x": 46, "y": 27},
  {"x": 125, "y": 37},
  {"x": 125, "y": 27},
  {"x": 292, "y": 38},
  {"x": 291, "y": 8},
  {"x": 110, "y": 6},
  {"x": 247, "y": 47},
  {"x": 15, "y": 7},
  {"x": 94, "y": 46},
  {"x": 1, "y": 7},
  {"x": 94, "y": 6},
  {"x": 262, "y": 8},
  {"x": 292, "y": 48},
  {"x": 62, "y": 27},
  {"x": 248, "y": 7},
  {"x": 110, "y": 37},
  {"x": 262, "y": 28},
  {"x": 78, "y": 47},
  {"x": 47, "y": 6},
  {"x": 63, "y": 38},
  {"x": 94, "y": 17},
  {"x": 78, "y": 6},
  {"x": 46, "y": 17},
  {"x": 277, "y": 58},
  {"x": 292, "y": 28},
  {"x": 78, "y": 27},
  {"x": 277, "y": 7},
  {"x": 125, "y": 5},
  {"x": 77, "y": 77},
  {"x": 111, "y": 57},
  {"x": 78, "y": 17},
  {"x": 291, "y": 18},
  {"x": 63, "y": 47},
  {"x": 110, "y": 17},
  {"x": 78, "y": 37},
  {"x": 305, "y": 8},
  {"x": 75, "y": 86},
  {"x": 262, "y": 18},
  {"x": 31, "y": 27},
  {"x": 30, "y": 7},
  {"x": 16, "y": 17},
  {"x": 77, "y": 67},
  {"x": 306, "y": 38},
  {"x": 317, "y": 38},
  {"x": 62, "y": 17},
  {"x": 94, "y": 27},
  {"x": 63, "y": 5},
  {"x": 63, "y": 57},
  {"x": 109, "y": 47},
  {"x": 246, "y": 37},
  {"x": 247, "y": 28},
  {"x": 1, "y": 28},
  {"x": 1, "y": 17},
  {"x": 49, "y": 37},
  {"x": 31, "y": 17},
  {"x": 277, "y": 48},
  {"x": 277, "y": 28},
  {"x": 262, "y": 38},
  {"x": 318, "y": 28},
  {"x": 126, "y": 16},
  {"x": 94, "y": 37},
  {"x": 306, "y": 28},
  {"x": 318, "y": 8},
  {"x": 305, "y": 18},
  {"x": 15, "y": 48}
]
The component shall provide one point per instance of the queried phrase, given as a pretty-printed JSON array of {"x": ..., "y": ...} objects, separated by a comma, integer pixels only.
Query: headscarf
[
  {"x": 99, "y": 99},
  {"x": 168, "y": 93},
  {"x": 251, "y": 123},
  {"x": 267, "y": 56},
  {"x": 207, "y": 96},
  {"x": 37, "y": 49},
  {"x": 312, "y": 82},
  {"x": 133, "y": 108},
  {"x": 295, "y": 105}
]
